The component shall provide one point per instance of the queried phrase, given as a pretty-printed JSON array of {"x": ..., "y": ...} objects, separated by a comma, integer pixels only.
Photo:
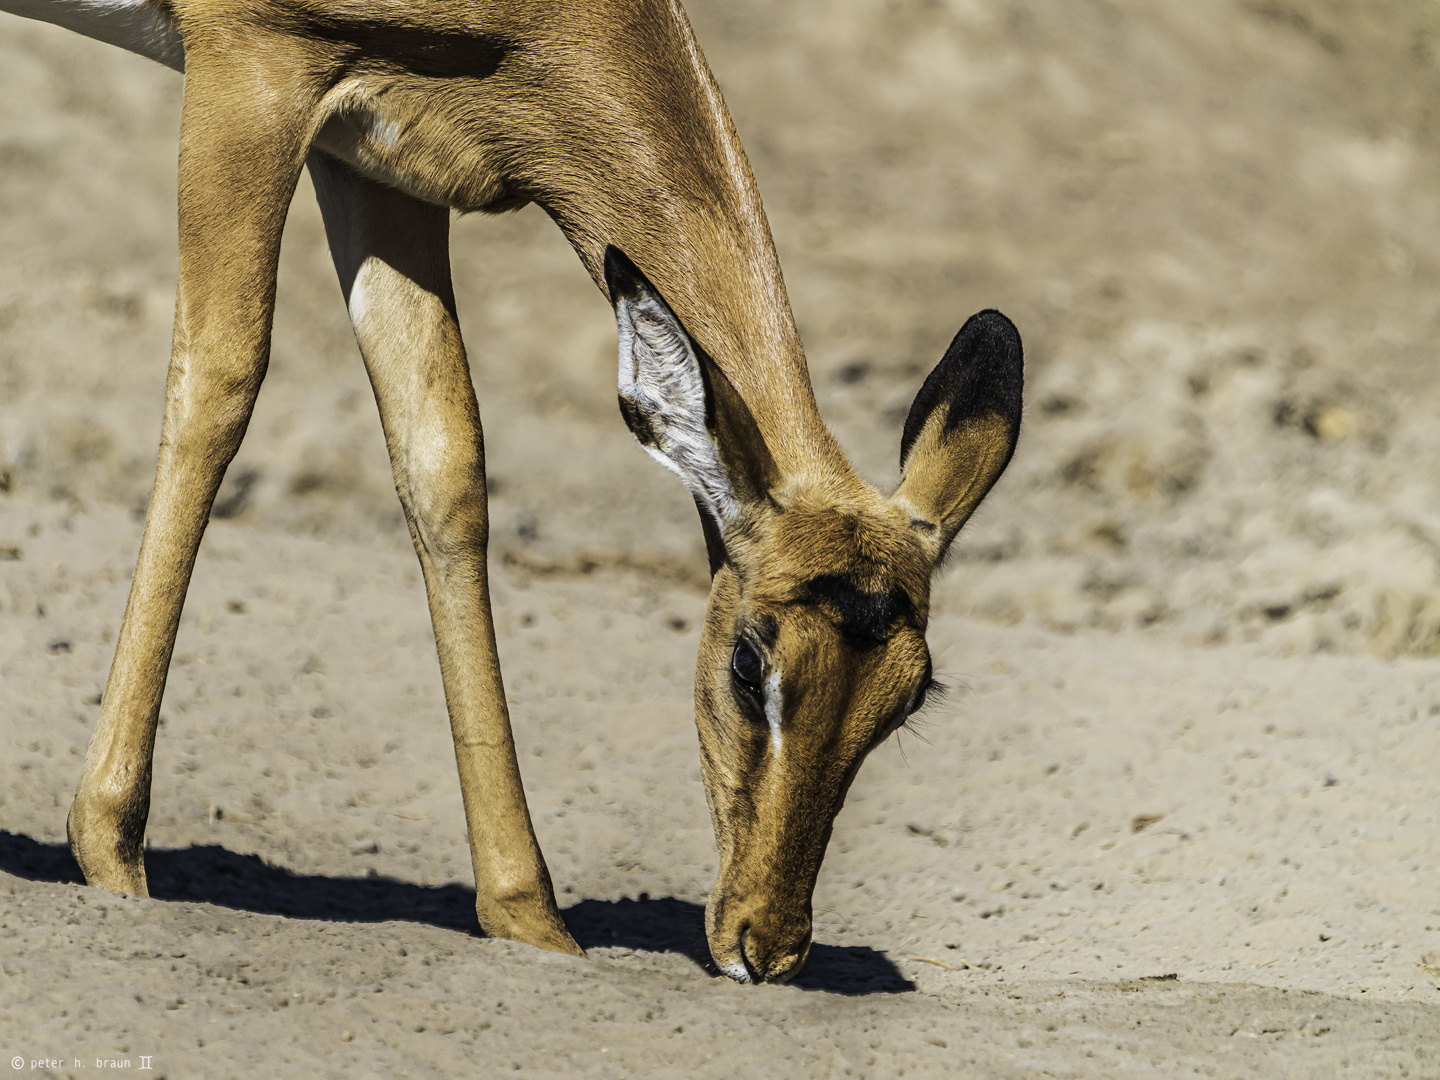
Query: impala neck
[{"x": 664, "y": 178}]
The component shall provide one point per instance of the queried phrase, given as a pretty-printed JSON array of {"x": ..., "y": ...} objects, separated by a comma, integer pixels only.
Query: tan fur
[
  {"x": 949, "y": 472},
  {"x": 606, "y": 115}
]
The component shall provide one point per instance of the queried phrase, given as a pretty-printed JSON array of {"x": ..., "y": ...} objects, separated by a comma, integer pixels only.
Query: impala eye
[
  {"x": 918, "y": 701},
  {"x": 927, "y": 684},
  {"x": 747, "y": 667}
]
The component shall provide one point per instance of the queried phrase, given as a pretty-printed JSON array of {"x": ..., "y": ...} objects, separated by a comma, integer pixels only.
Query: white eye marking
[{"x": 774, "y": 709}]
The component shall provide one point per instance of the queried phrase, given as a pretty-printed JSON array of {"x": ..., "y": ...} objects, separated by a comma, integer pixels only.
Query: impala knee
[
  {"x": 445, "y": 503},
  {"x": 206, "y": 416}
]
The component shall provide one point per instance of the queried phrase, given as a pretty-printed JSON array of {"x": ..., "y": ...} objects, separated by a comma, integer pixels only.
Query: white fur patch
[
  {"x": 359, "y": 304},
  {"x": 383, "y": 131},
  {"x": 137, "y": 25},
  {"x": 774, "y": 710},
  {"x": 428, "y": 449},
  {"x": 737, "y": 971},
  {"x": 660, "y": 373}
]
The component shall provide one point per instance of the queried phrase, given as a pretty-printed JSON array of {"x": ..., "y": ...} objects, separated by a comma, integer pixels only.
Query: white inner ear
[{"x": 660, "y": 373}]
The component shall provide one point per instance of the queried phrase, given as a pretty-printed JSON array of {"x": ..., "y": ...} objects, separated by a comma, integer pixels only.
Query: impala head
[{"x": 813, "y": 650}]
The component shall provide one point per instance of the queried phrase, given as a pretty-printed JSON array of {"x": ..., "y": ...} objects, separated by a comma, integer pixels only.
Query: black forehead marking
[
  {"x": 766, "y": 630},
  {"x": 865, "y": 617}
]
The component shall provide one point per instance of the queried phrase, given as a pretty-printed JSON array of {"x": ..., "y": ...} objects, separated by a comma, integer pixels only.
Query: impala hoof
[
  {"x": 537, "y": 924},
  {"x": 110, "y": 855}
]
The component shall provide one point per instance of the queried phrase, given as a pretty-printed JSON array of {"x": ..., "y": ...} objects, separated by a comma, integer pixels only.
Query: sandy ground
[{"x": 1178, "y": 813}]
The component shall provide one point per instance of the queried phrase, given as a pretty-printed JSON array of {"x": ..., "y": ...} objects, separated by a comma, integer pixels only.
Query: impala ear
[
  {"x": 962, "y": 428},
  {"x": 680, "y": 406}
]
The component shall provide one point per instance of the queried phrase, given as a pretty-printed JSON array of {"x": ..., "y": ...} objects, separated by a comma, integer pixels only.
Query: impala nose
[
  {"x": 773, "y": 958},
  {"x": 758, "y": 937}
]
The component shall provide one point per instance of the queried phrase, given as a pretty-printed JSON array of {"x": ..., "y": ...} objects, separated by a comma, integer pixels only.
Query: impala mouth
[
  {"x": 737, "y": 970},
  {"x": 743, "y": 972}
]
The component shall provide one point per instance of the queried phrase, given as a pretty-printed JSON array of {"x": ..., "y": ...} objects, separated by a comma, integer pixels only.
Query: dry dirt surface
[{"x": 1178, "y": 814}]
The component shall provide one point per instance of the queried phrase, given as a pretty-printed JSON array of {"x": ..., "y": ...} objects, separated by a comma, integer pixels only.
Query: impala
[{"x": 605, "y": 114}]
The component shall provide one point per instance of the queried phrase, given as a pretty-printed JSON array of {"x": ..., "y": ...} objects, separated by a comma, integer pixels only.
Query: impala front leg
[
  {"x": 392, "y": 254},
  {"x": 242, "y": 144}
]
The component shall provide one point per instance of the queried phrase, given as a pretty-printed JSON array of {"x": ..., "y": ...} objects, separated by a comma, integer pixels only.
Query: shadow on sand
[
  {"x": 678, "y": 926},
  {"x": 210, "y": 874}
]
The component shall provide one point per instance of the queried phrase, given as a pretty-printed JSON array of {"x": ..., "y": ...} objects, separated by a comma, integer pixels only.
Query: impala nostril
[{"x": 745, "y": 954}]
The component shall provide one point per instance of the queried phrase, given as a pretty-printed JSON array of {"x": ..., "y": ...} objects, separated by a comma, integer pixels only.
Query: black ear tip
[
  {"x": 981, "y": 373},
  {"x": 989, "y": 331},
  {"x": 623, "y": 278},
  {"x": 987, "y": 359}
]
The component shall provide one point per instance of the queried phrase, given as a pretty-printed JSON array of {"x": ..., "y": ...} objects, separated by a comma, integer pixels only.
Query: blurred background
[{"x": 1214, "y": 221}]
